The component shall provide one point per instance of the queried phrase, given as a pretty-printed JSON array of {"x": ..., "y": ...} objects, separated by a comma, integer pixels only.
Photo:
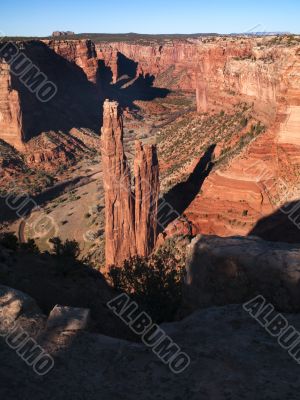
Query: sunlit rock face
[
  {"x": 119, "y": 204},
  {"x": 11, "y": 129},
  {"x": 146, "y": 175},
  {"x": 130, "y": 215}
]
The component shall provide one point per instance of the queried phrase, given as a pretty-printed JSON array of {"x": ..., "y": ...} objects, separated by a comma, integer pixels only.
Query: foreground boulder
[
  {"x": 18, "y": 308},
  {"x": 233, "y": 270},
  {"x": 50, "y": 282},
  {"x": 68, "y": 319},
  {"x": 232, "y": 357}
]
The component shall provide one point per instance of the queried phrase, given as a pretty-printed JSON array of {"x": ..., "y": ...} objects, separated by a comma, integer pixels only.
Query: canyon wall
[
  {"x": 80, "y": 52},
  {"x": 265, "y": 175},
  {"x": 220, "y": 71},
  {"x": 130, "y": 216},
  {"x": 175, "y": 64},
  {"x": 72, "y": 66}
]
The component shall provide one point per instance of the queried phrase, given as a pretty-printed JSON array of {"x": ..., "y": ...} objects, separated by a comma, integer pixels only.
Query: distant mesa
[{"x": 62, "y": 33}]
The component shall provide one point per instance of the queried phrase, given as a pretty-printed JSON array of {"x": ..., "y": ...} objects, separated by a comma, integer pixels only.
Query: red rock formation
[
  {"x": 130, "y": 217},
  {"x": 175, "y": 63},
  {"x": 201, "y": 97},
  {"x": 80, "y": 52},
  {"x": 10, "y": 112},
  {"x": 264, "y": 176},
  {"x": 119, "y": 205},
  {"x": 146, "y": 174},
  {"x": 110, "y": 58},
  {"x": 225, "y": 72}
]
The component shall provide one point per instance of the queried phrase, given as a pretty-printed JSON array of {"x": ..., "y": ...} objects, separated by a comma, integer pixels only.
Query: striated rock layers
[
  {"x": 264, "y": 176},
  {"x": 79, "y": 52},
  {"x": 130, "y": 215},
  {"x": 72, "y": 67},
  {"x": 230, "y": 270},
  {"x": 11, "y": 129}
]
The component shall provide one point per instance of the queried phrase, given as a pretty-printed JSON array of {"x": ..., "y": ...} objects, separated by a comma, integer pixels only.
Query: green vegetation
[
  {"x": 155, "y": 283},
  {"x": 65, "y": 250},
  {"x": 188, "y": 138},
  {"x": 10, "y": 241}
]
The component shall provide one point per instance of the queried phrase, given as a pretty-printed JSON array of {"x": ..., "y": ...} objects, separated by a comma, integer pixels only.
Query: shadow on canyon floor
[
  {"x": 181, "y": 195},
  {"x": 281, "y": 226},
  {"x": 130, "y": 86},
  {"x": 78, "y": 102},
  {"x": 15, "y": 207}
]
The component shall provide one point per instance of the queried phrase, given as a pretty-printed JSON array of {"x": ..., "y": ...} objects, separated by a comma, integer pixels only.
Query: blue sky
[{"x": 41, "y": 17}]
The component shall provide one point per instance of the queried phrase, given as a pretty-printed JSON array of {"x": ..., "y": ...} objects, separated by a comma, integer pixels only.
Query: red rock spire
[
  {"x": 119, "y": 204},
  {"x": 130, "y": 217},
  {"x": 146, "y": 174}
]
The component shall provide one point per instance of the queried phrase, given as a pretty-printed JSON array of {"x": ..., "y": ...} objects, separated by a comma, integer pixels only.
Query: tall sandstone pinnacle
[
  {"x": 130, "y": 216},
  {"x": 119, "y": 204},
  {"x": 11, "y": 129},
  {"x": 146, "y": 175}
]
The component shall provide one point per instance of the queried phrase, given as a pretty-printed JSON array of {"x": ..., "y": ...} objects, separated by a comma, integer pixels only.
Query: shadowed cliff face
[
  {"x": 222, "y": 72},
  {"x": 83, "y": 81},
  {"x": 281, "y": 226},
  {"x": 76, "y": 103},
  {"x": 130, "y": 216}
]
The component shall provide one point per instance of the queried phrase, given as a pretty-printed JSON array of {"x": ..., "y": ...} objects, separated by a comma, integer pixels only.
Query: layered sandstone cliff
[
  {"x": 175, "y": 64},
  {"x": 109, "y": 57},
  {"x": 130, "y": 215},
  {"x": 79, "y": 52},
  {"x": 264, "y": 175}
]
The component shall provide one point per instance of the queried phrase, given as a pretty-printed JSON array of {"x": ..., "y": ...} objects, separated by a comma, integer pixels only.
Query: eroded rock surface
[
  {"x": 119, "y": 204},
  {"x": 232, "y": 357},
  {"x": 146, "y": 176},
  {"x": 233, "y": 270},
  {"x": 130, "y": 215}
]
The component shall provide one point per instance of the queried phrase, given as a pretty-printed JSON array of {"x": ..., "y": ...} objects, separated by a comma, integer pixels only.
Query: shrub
[
  {"x": 30, "y": 246},
  {"x": 69, "y": 249},
  {"x": 9, "y": 240},
  {"x": 155, "y": 283},
  {"x": 244, "y": 122}
]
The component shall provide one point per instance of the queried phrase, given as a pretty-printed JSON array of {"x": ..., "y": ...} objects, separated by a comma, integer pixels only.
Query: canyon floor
[
  {"x": 75, "y": 202},
  {"x": 224, "y": 113}
]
